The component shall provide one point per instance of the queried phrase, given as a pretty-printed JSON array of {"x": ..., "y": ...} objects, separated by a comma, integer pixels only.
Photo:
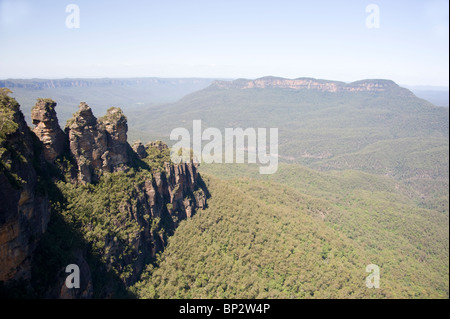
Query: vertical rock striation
[
  {"x": 114, "y": 124},
  {"x": 87, "y": 143},
  {"x": 139, "y": 149},
  {"x": 24, "y": 206},
  {"x": 98, "y": 145},
  {"x": 47, "y": 129}
]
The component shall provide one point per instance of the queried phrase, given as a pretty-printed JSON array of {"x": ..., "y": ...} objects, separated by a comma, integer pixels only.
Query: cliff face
[
  {"x": 24, "y": 206},
  {"x": 47, "y": 129},
  {"x": 179, "y": 180},
  {"x": 155, "y": 207},
  {"x": 125, "y": 236},
  {"x": 98, "y": 145},
  {"x": 311, "y": 84}
]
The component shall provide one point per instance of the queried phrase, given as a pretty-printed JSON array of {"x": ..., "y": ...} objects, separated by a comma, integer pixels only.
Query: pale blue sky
[{"x": 227, "y": 38}]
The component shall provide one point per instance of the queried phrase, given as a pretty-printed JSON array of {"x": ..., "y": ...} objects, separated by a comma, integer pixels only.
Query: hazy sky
[{"x": 227, "y": 38}]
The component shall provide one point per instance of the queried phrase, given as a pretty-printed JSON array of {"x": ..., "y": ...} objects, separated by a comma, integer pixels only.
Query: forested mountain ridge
[{"x": 374, "y": 126}]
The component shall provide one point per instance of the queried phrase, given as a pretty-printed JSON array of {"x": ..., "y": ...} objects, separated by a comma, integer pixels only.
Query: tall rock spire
[
  {"x": 47, "y": 128},
  {"x": 98, "y": 145}
]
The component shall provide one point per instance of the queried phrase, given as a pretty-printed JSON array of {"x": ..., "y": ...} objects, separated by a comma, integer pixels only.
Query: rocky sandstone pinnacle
[
  {"x": 24, "y": 212},
  {"x": 115, "y": 124},
  {"x": 98, "y": 145},
  {"x": 47, "y": 129},
  {"x": 171, "y": 194},
  {"x": 139, "y": 149}
]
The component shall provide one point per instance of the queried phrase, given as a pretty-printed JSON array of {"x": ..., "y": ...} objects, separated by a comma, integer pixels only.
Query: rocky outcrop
[
  {"x": 160, "y": 203},
  {"x": 87, "y": 143},
  {"x": 115, "y": 125},
  {"x": 24, "y": 206},
  {"x": 139, "y": 149},
  {"x": 47, "y": 128},
  {"x": 160, "y": 146},
  {"x": 98, "y": 145},
  {"x": 181, "y": 180},
  {"x": 167, "y": 194}
]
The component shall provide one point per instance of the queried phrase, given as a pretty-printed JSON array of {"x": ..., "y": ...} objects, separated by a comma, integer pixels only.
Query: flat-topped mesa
[
  {"x": 98, "y": 145},
  {"x": 309, "y": 84},
  {"x": 47, "y": 129}
]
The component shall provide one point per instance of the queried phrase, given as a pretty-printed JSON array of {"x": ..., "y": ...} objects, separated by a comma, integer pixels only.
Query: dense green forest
[
  {"x": 296, "y": 234},
  {"x": 303, "y": 235}
]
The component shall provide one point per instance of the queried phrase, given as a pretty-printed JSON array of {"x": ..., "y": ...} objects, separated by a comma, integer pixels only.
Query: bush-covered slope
[
  {"x": 263, "y": 239},
  {"x": 243, "y": 247}
]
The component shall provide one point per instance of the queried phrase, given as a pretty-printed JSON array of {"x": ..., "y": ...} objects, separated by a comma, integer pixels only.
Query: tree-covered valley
[{"x": 362, "y": 179}]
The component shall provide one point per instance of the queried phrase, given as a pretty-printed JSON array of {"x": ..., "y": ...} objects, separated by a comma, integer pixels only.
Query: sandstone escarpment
[
  {"x": 24, "y": 206},
  {"x": 180, "y": 180},
  {"x": 311, "y": 84},
  {"x": 100, "y": 146},
  {"x": 151, "y": 196},
  {"x": 156, "y": 205},
  {"x": 115, "y": 125}
]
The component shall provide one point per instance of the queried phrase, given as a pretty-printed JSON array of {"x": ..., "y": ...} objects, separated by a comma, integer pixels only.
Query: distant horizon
[{"x": 416, "y": 86}]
